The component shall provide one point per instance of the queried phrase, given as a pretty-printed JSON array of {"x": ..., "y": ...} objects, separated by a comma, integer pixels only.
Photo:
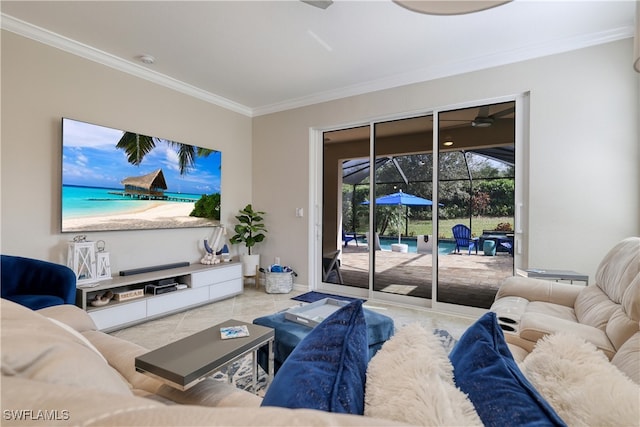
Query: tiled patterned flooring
[{"x": 255, "y": 303}]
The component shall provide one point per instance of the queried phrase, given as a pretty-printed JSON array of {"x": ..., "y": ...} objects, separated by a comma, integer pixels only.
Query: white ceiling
[{"x": 264, "y": 56}]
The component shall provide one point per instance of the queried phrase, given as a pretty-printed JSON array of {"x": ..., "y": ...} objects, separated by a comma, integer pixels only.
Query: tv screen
[{"x": 118, "y": 180}]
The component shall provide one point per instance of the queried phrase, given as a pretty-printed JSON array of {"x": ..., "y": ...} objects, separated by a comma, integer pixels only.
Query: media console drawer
[
  {"x": 221, "y": 273},
  {"x": 175, "y": 300},
  {"x": 119, "y": 314}
]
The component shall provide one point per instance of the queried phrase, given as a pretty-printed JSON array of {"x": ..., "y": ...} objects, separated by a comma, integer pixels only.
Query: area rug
[
  {"x": 241, "y": 370},
  {"x": 316, "y": 296}
]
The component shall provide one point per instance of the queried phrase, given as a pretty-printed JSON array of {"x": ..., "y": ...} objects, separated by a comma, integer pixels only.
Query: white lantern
[
  {"x": 81, "y": 258},
  {"x": 103, "y": 271}
]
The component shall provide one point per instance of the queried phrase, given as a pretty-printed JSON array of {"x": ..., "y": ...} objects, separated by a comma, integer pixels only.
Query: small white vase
[{"x": 250, "y": 264}]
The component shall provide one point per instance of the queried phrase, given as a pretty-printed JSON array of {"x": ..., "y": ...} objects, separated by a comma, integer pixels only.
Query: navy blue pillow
[
  {"x": 484, "y": 368},
  {"x": 327, "y": 369}
]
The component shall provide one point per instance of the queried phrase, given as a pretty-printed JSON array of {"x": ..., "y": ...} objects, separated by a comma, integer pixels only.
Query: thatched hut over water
[{"x": 149, "y": 186}]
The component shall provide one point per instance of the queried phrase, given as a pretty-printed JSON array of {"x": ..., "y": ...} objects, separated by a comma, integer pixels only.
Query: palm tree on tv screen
[{"x": 137, "y": 146}]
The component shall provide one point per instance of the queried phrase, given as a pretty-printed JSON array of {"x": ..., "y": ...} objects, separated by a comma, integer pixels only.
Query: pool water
[{"x": 444, "y": 247}]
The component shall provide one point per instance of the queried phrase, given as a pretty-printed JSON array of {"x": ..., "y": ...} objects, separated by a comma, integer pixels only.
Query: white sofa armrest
[
  {"x": 539, "y": 290},
  {"x": 71, "y": 315},
  {"x": 534, "y": 326}
]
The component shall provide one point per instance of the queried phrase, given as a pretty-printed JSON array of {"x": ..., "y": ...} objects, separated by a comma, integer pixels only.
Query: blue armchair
[
  {"x": 36, "y": 284},
  {"x": 462, "y": 234}
]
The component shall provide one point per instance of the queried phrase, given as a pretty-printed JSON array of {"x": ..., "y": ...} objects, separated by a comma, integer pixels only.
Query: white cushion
[
  {"x": 410, "y": 379},
  {"x": 580, "y": 384}
]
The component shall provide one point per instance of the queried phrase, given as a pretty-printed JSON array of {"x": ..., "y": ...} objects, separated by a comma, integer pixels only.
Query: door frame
[{"x": 521, "y": 217}]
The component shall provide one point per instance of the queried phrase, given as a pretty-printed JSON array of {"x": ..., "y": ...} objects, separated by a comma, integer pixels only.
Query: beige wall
[
  {"x": 584, "y": 151},
  {"x": 584, "y": 179},
  {"x": 40, "y": 85}
]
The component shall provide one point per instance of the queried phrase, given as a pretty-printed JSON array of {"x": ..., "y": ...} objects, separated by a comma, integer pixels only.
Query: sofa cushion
[
  {"x": 580, "y": 383},
  {"x": 535, "y": 326},
  {"x": 594, "y": 308},
  {"x": 35, "y": 348},
  {"x": 327, "y": 370},
  {"x": 548, "y": 308},
  {"x": 631, "y": 299},
  {"x": 627, "y": 358},
  {"x": 484, "y": 369},
  {"x": 620, "y": 328},
  {"x": 411, "y": 380},
  {"x": 617, "y": 270}
]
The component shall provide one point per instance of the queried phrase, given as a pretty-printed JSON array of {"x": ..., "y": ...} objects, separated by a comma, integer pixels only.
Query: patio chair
[
  {"x": 331, "y": 268},
  {"x": 348, "y": 237},
  {"x": 462, "y": 234}
]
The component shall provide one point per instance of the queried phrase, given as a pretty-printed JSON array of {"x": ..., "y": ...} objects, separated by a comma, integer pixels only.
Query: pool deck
[{"x": 465, "y": 279}]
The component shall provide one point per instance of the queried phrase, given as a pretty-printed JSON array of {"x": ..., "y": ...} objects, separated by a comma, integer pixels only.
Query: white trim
[
  {"x": 50, "y": 38},
  {"x": 524, "y": 53},
  {"x": 446, "y": 70}
]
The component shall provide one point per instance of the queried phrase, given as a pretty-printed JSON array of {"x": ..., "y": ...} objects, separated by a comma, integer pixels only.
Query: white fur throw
[
  {"x": 580, "y": 383},
  {"x": 410, "y": 379}
]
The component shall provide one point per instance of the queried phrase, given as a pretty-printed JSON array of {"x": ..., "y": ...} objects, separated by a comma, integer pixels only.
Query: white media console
[{"x": 205, "y": 284}]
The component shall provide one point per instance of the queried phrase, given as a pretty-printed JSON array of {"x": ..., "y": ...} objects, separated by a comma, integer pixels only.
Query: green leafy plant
[
  {"x": 250, "y": 230},
  {"x": 208, "y": 206}
]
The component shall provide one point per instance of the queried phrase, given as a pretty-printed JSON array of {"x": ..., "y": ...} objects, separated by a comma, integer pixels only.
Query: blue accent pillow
[
  {"x": 327, "y": 369},
  {"x": 484, "y": 368}
]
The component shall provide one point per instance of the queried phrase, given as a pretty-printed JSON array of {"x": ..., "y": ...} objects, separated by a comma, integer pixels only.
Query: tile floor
[{"x": 255, "y": 303}]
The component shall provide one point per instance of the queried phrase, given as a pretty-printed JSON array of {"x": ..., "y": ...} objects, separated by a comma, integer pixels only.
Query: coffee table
[{"x": 185, "y": 362}]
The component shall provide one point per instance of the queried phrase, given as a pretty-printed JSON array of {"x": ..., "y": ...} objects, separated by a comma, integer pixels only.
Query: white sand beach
[{"x": 163, "y": 215}]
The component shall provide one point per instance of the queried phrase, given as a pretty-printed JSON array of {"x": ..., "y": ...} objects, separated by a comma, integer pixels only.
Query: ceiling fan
[
  {"x": 322, "y": 4},
  {"x": 484, "y": 120}
]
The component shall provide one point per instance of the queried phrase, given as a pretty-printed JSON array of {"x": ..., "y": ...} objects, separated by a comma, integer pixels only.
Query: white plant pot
[{"x": 250, "y": 264}]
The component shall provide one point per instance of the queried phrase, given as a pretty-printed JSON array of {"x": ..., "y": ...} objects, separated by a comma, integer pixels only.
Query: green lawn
[{"x": 478, "y": 224}]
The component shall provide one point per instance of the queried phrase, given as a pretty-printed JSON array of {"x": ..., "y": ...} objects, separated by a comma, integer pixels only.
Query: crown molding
[
  {"x": 440, "y": 71},
  {"x": 50, "y": 38},
  {"x": 532, "y": 51}
]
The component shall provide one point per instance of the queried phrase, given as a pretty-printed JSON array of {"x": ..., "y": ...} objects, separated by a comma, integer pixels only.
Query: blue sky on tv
[{"x": 90, "y": 158}]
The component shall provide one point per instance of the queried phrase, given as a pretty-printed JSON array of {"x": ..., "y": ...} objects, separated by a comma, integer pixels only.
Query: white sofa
[
  {"x": 65, "y": 372},
  {"x": 606, "y": 313},
  {"x": 57, "y": 369}
]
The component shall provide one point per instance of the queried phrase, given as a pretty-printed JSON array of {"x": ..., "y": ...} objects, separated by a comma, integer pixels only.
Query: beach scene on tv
[{"x": 118, "y": 180}]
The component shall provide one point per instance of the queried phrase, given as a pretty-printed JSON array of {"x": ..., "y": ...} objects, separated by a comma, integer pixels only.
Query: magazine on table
[{"x": 239, "y": 331}]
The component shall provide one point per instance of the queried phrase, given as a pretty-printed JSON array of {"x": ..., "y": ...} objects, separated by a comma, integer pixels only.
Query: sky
[{"x": 90, "y": 158}]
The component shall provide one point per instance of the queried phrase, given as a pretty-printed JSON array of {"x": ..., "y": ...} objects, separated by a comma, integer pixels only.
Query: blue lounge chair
[
  {"x": 348, "y": 237},
  {"x": 462, "y": 234}
]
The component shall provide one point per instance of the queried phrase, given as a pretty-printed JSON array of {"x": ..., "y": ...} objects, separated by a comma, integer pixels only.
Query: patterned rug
[{"x": 241, "y": 371}]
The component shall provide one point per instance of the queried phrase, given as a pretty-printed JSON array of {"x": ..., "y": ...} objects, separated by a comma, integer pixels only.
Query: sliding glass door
[{"x": 380, "y": 185}]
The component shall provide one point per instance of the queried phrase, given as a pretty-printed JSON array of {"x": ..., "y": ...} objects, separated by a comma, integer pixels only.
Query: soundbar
[{"x": 153, "y": 268}]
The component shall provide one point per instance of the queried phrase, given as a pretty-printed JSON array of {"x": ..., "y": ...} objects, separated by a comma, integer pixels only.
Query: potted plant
[{"x": 249, "y": 231}]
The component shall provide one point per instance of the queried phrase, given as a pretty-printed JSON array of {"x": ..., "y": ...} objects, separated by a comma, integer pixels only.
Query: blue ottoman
[{"x": 288, "y": 334}]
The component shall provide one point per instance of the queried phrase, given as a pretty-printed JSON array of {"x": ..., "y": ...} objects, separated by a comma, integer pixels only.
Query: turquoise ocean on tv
[{"x": 80, "y": 201}]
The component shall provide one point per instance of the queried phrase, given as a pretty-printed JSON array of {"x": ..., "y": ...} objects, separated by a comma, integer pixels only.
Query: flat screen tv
[{"x": 119, "y": 180}]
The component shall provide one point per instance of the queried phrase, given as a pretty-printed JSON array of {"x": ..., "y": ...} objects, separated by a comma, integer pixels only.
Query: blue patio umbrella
[{"x": 401, "y": 199}]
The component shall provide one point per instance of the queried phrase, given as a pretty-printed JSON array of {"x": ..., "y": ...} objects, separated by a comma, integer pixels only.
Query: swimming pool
[{"x": 444, "y": 247}]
